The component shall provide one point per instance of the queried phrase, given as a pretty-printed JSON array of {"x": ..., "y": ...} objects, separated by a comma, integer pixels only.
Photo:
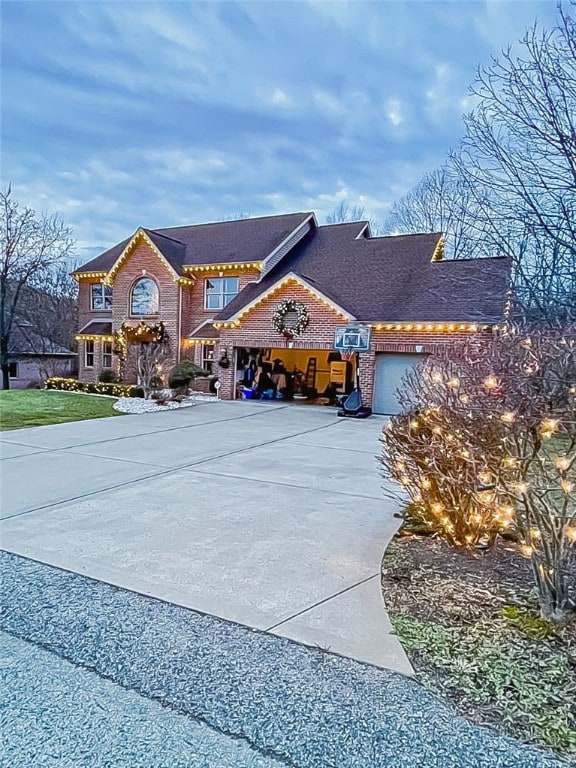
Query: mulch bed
[{"x": 471, "y": 629}]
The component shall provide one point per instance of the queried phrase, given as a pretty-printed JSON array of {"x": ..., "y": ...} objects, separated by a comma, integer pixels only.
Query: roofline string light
[
  {"x": 221, "y": 267},
  {"x": 197, "y": 342},
  {"x": 88, "y": 275},
  {"x": 127, "y": 252},
  {"x": 92, "y": 337},
  {"x": 287, "y": 281},
  {"x": 431, "y": 327}
]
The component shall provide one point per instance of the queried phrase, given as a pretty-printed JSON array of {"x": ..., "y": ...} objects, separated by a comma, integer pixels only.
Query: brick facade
[
  {"x": 182, "y": 310},
  {"x": 194, "y": 311},
  {"x": 256, "y": 330},
  {"x": 142, "y": 262}
]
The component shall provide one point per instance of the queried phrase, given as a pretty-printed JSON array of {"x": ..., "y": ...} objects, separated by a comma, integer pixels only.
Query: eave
[
  {"x": 89, "y": 275},
  {"x": 139, "y": 237},
  {"x": 290, "y": 278},
  {"x": 93, "y": 337},
  {"x": 432, "y": 327},
  {"x": 234, "y": 265}
]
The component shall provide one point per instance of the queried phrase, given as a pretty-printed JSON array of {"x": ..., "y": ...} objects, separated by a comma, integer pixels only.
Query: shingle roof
[
  {"x": 97, "y": 328},
  {"x": 221, "y": 242},
  {"x": 25, "y": 340},
  {"x": 205, "y": 331},
  {"x": 380, "y": 279},
  {"x": 389, "y": 279}
]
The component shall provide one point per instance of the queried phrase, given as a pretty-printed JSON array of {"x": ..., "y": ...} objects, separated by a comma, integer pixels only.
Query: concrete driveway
[{"x": 268, "y": 515}]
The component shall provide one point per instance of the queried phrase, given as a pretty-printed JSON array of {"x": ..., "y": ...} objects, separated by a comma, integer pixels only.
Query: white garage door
[{"x": 390, "y": 368}]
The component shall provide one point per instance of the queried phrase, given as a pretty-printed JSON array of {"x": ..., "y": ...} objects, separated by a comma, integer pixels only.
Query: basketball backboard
[{"x": 352, "y": 337}]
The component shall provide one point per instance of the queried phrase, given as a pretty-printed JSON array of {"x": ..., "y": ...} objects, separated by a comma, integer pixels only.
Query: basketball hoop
[{"x": 348, "y": 354}]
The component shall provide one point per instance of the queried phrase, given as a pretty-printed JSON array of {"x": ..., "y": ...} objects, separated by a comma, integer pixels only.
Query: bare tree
[
  {"x": 440, "y": 202},
  {"x": 31, "y": 247},
  {"x": 345, "y": 212},
  {"x": 151, "y": 346},
  {"x": 518, "y": 157},
  {"x": 53, "y": 311}
]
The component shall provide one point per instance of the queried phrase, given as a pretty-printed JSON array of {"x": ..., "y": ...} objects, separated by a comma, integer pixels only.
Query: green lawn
[{"x": 36, "y": 407}]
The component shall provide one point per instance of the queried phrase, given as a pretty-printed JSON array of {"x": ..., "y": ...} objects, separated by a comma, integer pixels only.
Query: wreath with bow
[{"x": 286, "y": 307}]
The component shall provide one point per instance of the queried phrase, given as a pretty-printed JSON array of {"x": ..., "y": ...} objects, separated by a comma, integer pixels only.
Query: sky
[{"x": 123, "y": 114}]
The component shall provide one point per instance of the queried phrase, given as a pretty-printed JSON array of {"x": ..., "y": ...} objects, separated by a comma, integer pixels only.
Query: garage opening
[
  {"x": 316, "y": 376},
  {"x": 389, "y": 370}
]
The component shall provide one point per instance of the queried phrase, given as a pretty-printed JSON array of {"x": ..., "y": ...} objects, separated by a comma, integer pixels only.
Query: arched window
[{"x": 145, "y": 299}]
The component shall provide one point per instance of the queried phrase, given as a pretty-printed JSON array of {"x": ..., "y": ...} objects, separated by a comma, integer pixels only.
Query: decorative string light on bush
[
  {"x": 153, "y": 346},
  {"x": 497, "y": 451}
]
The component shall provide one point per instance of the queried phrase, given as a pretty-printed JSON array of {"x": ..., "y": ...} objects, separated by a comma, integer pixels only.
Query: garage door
[{"x": 390, "y": 368}]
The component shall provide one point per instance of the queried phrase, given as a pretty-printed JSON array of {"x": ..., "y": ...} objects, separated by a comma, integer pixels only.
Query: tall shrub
[{"x": 487, "y": 440}]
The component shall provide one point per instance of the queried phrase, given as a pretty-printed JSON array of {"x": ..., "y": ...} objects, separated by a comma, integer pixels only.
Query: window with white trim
[
  {"x": 100, "y": 297},
  {"x": 219, "y": 291},
  {"x": 89, "y": 354},
  {"x": 13, "y": 370},
  {"x": 145, "y": 297},
  {"x": 107, "y": 354},
  {"x": 208, "y": 357}
]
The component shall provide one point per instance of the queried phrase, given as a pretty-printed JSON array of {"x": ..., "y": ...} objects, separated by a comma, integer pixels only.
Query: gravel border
[
  {"x": 139, "y": 405},
  {"x": 304, "y": 707}
]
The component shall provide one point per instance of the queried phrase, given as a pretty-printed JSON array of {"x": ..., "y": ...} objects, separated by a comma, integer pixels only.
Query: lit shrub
[
  {"x": 488, "y": 440},
  {"x": 429, "y": 452},
  {"x": 91, "y": 388}
]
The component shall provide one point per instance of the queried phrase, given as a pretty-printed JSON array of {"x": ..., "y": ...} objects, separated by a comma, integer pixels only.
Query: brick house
[{"x": 219, "y": 287}]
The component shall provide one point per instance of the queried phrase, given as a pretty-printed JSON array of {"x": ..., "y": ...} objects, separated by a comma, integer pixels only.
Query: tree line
[{"x": 510, "y": 187}]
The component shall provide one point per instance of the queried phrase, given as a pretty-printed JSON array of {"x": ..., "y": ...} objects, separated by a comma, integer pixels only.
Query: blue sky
[{"x": 126, "y": 114}]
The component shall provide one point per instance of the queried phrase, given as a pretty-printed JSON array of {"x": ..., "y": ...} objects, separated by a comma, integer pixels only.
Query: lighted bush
[
  {"x": 100, "y": 388},
  {"x": 488, "y": 439},
  {"x": 429, "y": 452}
]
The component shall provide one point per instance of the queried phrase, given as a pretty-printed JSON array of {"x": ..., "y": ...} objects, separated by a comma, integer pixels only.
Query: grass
[
  {"x": 472, "y": 632},
  {"x": 37, "y": 407}
]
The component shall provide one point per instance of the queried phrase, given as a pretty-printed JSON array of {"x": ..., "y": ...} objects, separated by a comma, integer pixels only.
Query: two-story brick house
[{"x": 220, "y": 287}]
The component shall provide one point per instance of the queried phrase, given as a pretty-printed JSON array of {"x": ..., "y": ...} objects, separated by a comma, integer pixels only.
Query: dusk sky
[{"x": 125, "y": 114}]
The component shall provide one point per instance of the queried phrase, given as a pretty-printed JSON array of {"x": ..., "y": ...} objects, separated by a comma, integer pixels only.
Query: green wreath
[{"x": 279, "y": 318}]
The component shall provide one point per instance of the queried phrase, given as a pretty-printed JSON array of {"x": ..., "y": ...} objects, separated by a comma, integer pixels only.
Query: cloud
[{"x": 162, "y": 113}]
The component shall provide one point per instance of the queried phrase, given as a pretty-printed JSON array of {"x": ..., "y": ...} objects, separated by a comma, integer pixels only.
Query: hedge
[{"x": 100, "y": 388}]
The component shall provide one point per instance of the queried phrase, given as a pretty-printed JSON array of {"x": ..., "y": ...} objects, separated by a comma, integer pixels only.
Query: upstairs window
[
  {"x": 220, "y": 291},
  {"x": 145, "y": 298},
  {"x": 100, "y": 297}
]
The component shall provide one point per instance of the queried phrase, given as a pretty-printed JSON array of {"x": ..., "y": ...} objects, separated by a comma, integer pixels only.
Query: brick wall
[
  {"x": 404, "y": 342},
  {"x": 193, "y": 312},
  {"x": 256, "y": 330},
  {"x": 143, "y": 262}
]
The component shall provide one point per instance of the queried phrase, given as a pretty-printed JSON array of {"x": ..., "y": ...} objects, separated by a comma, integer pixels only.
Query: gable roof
[
  {"x": 388, "y": 279},
  {"x": 221, "y": 242}
]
